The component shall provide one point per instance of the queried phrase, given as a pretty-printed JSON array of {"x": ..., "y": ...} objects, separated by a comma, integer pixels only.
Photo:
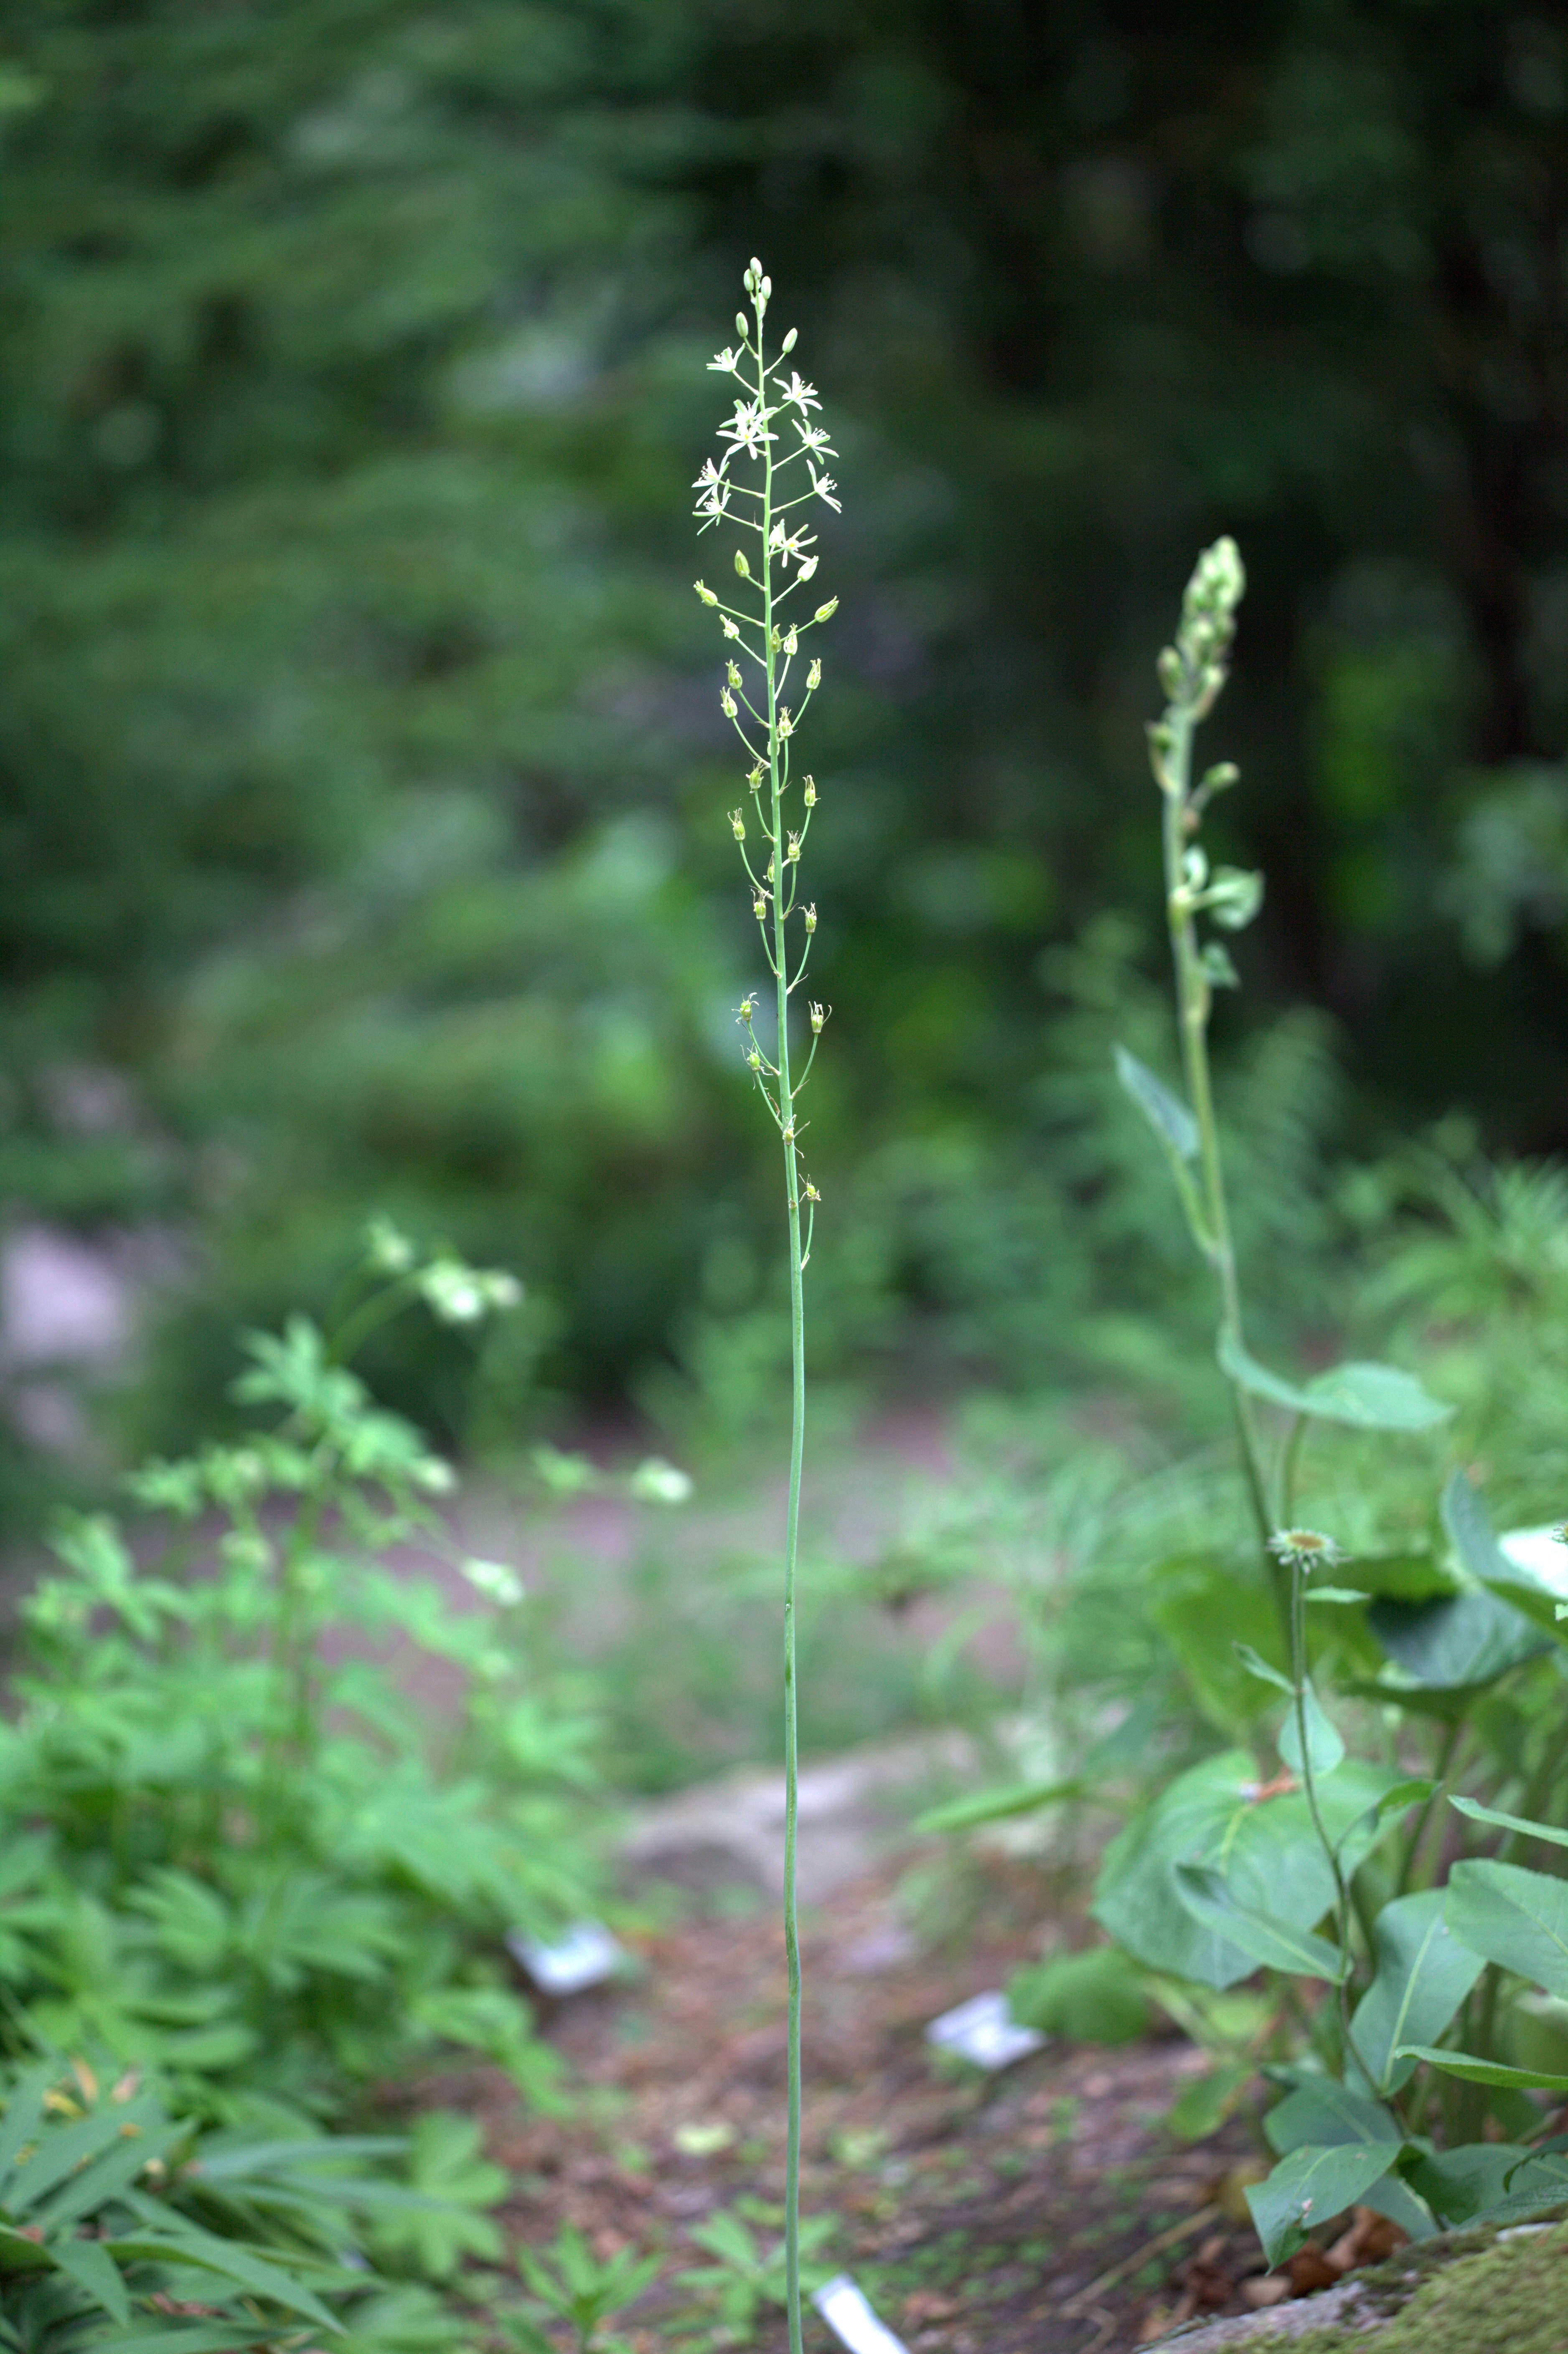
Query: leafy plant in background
[
  {"x": 751, "y": 2268},
  {"x": 237, "y": 1852},
  {"x": 122, "y": 2226},
  {"x": 1329, "y": 1872},
  {"x": 769, "y": 636},
  {"x": 581, "y": 2290}
]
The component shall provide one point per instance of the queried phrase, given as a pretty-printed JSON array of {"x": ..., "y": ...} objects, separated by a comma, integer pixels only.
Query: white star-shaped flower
[
  {"x": 813, "y": 438},
  {"x": 824, "y": 486},
  {"x": 802, "y": 395},
  {"x": 746, "y": 429},
  {"x": 726, "y": 362}
]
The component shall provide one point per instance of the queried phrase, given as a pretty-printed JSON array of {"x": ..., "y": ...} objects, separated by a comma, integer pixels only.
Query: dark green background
[{"x": 362, "y": 787}]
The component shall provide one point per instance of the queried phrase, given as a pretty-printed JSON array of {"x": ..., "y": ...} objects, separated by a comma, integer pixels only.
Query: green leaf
[
  {"x": 1531, "y": 1830},
  {"x": 1423, "y": 1973},
  {"x": 1270, "y": 1853},
  {"x": 1368, "y": 1827},
  {"x": 88, "y": 2264},
  {"x": 1324, "y": 1745},
  {"x": 1279, "y": 1945},
  {"x": 991, "y": 1806},
  {"x": 1258, "y": 1666},
  {"x": 230, "y": 2259},
  {"x": 1456, "y": 1644},
  {"x": 1097, "y": 1997},
  {"x": 1327, "y": 2113},
  {"x": 1368, "y": 1396},
  {"x": 1191, "y": 1594},
  {"x": 1308, "y": 2188},
  {"x": 1518, "y": 1919},
  {"x": 1169, "y": 1119},
  {"x": 1485, "y": 2071},
  {"x": 1469, "y": 1527},
  {"x": 1494, "y": 2181},
  {"x": 1216, "y": 962}
]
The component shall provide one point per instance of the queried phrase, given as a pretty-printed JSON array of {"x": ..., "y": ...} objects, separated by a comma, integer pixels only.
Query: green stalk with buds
[{"x": 766, "y": 631}]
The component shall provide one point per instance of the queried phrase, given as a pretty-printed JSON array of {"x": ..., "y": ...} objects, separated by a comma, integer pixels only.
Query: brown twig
[{"x": 1075, "y": 2306}]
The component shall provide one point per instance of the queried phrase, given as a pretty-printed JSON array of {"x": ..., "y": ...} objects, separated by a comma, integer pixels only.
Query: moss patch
[{"x": 1511, "y": 2297}]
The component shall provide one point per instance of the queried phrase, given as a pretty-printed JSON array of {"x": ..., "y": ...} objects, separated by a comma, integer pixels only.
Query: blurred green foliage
[{"x": 363, "y": 791}]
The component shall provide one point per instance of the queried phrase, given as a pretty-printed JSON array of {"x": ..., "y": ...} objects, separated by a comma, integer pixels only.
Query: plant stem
[
  {"x": 1193, "y": 997},
  {"x": 1310, "y": 1785},
  {"x": 798, "y": 1413}
]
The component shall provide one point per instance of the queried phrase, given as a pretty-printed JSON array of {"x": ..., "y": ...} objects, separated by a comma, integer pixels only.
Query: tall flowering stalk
[{"x": 766, "y": 631}]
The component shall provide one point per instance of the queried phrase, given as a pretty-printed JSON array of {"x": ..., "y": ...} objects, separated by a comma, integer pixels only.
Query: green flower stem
[
  {"x": 1194, "y": 995},
  {"x": 1309, "y": 1783},
  {"x": 798, "y": 1415}
]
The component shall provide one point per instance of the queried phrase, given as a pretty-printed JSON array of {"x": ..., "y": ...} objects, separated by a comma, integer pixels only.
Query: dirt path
[{"x": 1042, "y": 2211}]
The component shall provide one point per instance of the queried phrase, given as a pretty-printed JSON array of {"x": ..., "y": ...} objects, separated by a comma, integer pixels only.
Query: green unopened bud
[
  {"x": 787, "y": 345},
  {"x": 731, "y": 628},
  {"x": 741, "y": 327},
  {"x": 745, "y": 1010},
  {"x": 741, "y": 564},
  {"x": 705, "y": 592},
  {"x": 731, "y": 673},
  {"x": 738, "y": 825},
  {"x": 759, "y": 907},
  {"x": 753, "y": 1060},
  {"x": 726, "y": 703},
  {"x": 1220, "y": 776},
  {"x": 813, "y": 678},
  {"x": 1169, "y": 668},
  {"x": 825, "y": 612},
  {"x": 810, "y": 792}
]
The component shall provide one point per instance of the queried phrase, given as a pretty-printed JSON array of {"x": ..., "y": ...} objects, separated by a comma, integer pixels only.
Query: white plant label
[
  {"x": 585, "y": 1957},
  {"x": 984, "y": 2031},
  {"x": 843, "y": 2306}
]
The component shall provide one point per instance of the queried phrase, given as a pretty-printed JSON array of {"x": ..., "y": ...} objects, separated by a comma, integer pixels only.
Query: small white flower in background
[
  {"x": 452, "y": 1291},
  {"x": 726, "y": 362},
  {"x": 824, "y": 486},
  {"x": 814, "y": 437},
  {"x": 715, "y": 492},
  {"x": 658, "y": 1482},
  {"x": 390, "y": 1251},
  {"x": 495, "y": 1582}
]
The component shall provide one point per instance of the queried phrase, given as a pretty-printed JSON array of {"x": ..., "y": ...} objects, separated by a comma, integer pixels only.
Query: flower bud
[
  {"x": 787, "y": 345},
  {"x": 731, "y": 628},
  {"x": 726, "y": 703},
  {"x": 819, "y": 1015},
  {"x": 759, "y": 907},
  {"x": 791, "y": 644},
  {"x": 732, "y": 674},
  {"x": 786, "y": 725},
  {"x": 810, "y": 792},
  {"x": 753, "y": 1060},
  {"x": 745, "y": 1010},
  {"x": 738, "y": 825},
  {"x": 741, "y": 329},
  {"x": 813, "y": 678},
  {"x": 1169, "y": 668},
  {"x": 811, "y": 917},
  {"x": 825, "y": 612},
  {"x": 793, "y": 850},
  {"x": 741, "y": 564},
  {"x": 705, "y": 592},
  {"x": 807, "y": 565}
]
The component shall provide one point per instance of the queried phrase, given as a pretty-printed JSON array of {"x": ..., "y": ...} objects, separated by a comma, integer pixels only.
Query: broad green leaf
[
  {"x": 1423, "y": 1973},
  {"x": 1166, "y": 1115},
  {"x": 1456, "y": 1644},
  {"x": 991, "y": 1806},
  {"x": 1524, "y": 1823},
  {"x": 1368, "y": 1396},
  {"x": 1325, "y": 2113},
  {"x": 1405, "y": 1576},
  {"x": 1308, "y": 2188},
  {"x": 1485, "y": 2071},
  {"x": 1276, "y": 1943},
  {"x": 1494, "y": 2181},
  {"x": 1191, "y": 1594},
  {"x": 1267, "y": 1846},
  {"x": 1324, "y": 1746},
  {"x": 88, "y": 2264},
  {"x": 1518, "y": 1919},
  {"x": 1097, "y": 1996}
]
